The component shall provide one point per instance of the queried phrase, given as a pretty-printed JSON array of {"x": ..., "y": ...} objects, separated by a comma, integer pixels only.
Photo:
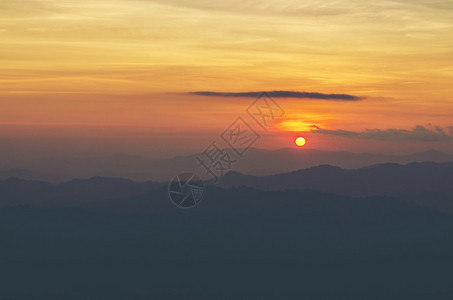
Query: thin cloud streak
[{"x": 281, "y": 94}]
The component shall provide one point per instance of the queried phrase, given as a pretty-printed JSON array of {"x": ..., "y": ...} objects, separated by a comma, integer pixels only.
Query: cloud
[
  {"x": 307, "y": 7},
  {"x": 418, "y": 133},
  {"x": 282, "y": 94}
]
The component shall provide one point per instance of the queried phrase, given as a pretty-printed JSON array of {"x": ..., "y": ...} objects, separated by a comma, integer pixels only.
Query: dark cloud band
[
  {"x": 282, "y": 94},
  {"x": 418, "y": 133}
]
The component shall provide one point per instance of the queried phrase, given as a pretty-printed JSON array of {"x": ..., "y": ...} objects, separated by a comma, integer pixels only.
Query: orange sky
[{"x": 115, "y": 70}]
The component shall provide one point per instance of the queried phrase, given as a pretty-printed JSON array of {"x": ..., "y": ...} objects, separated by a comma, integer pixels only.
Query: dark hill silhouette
[
  {"x": 15, "y": 191},
  {"x": 256, "y": 162},
  {"x": 427, "y": 184},
  {"x": 382, "y": 180},
  {"x": 378, "y": 180}
]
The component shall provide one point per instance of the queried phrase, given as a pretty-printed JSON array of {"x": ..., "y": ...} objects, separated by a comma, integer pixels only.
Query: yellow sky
[{"x": 129, "y": 63}]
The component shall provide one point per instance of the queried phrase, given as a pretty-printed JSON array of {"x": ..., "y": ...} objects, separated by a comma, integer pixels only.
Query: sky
[{"x": 130, "y": 76}]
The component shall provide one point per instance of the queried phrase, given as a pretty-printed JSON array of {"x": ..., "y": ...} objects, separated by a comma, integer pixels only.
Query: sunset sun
[{"x": 300, "y": 141}]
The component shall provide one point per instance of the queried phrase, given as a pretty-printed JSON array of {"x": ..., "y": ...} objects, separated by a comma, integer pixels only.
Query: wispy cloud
[
  {"x": 418, "y": 133},
  {"x": 282, "y": 94}
]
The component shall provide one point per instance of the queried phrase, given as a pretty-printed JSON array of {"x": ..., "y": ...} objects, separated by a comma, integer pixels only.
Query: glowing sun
[{"x": 300, "y": 141}]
